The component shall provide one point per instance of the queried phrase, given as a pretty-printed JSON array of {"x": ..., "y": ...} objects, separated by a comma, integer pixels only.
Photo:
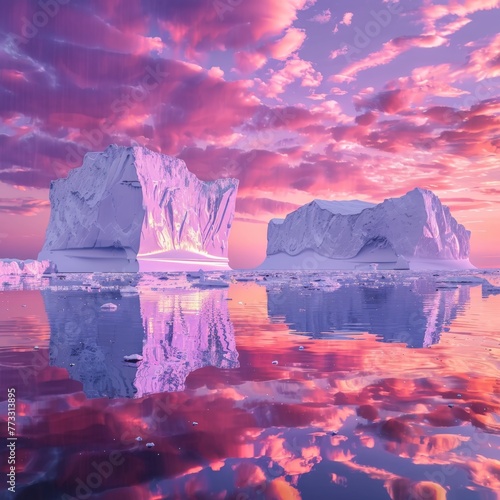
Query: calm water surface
[{"x": 282, "y": 386}]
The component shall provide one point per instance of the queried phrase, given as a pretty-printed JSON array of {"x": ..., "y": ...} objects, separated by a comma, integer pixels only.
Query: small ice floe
[
  {"x": 128, "y": 290},
  {"x": 216, "y": 283},
  {"x": 463, "y": 280},
  {"x": 138, "y": 438},
  {"x": 133, "y": 358},
  {"x": 301, "y": 347},
  {"x": 72, "y": 364},
  {"x": 275, "y": 362},
  {"x": 149, "y": 445},
  {"x": 195, "y": 275},
  {"x": 213, "y": 283},
  {"x": 36, "y": 348},
  {"x": 195, "y": 423},
  {"x": 334, "y": 433},
  {"x": 205, "y": 282},
  {"x": 109, "y": 307}
]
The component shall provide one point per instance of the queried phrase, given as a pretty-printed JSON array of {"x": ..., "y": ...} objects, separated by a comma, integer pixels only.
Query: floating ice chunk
[
  {"x": 109, "y": 307},
  {"x": 134, "y": 358},
  {"x": 212, "y": 282},
  {"x": 196, "y": 274},
  {"x": 463, "y": 279}
]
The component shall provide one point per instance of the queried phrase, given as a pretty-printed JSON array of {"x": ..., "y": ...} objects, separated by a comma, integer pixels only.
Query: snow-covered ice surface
[
  {"x": 414, "y": 231},
  {"x": 130, "y": 209}
]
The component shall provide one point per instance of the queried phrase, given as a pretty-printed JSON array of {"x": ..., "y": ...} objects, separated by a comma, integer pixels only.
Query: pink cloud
[
  {"x": 347, "y": 18},
  {"x": 286, "y": 46},
  {"x": 295, "y": 69},
  {"x": 291, "y": 42},
  {"x": 323, "y": 17},
  {"x": 74, "y": 23},
  {"x": 443, "y": 115},
  {"x": 454, "y": 26},
  {"x": 338, "y": 52},
  {"x": 337, "y": 91},
  {"x": 389, "y": 101},
  {"x": 481, "y": 65},
  {"x": 389, "y": 51},
  {"x": 255, "y": 206},
  {"x": 366, "y": 119},
  {"x": 346, "y": 21},
  {"x": 107, "y": 104},
  {"x": 22, "y": 206},
  {"x": 199, "y": 26},
  {"x": 247, "y": 62},
  {"x": 215, "y": 72},
  {"x": 484, "y": 62},
  {"x": 431, "y": 13},
  {"x": 317, "y": 97},
  {"x": 262, "y": 170}
]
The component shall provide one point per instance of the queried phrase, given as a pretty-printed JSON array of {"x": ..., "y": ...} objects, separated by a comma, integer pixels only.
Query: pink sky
[{"x": 299, "y": 99}]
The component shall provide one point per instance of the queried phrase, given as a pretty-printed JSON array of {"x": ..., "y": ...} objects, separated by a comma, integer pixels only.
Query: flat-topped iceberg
[
  {"x": 130, "y": 209},
  {"x": 414, "y": 231}
]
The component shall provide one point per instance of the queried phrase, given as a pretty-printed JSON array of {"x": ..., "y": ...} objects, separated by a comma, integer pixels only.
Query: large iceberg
[
  {"x": 415, "y": 231},
  {"x": 130, "y": 209}
]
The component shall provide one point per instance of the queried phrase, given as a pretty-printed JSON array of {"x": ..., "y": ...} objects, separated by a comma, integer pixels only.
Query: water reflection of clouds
[{"x": 347, "y": 418}]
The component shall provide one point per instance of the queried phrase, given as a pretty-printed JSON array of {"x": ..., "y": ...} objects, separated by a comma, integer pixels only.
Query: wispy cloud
[{"x": 22, "y": 206}]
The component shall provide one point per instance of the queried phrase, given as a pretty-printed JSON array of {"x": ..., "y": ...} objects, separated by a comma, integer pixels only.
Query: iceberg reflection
[
  {"x": 176, "y": 331},
  {"x": 415, "y": 313},
  {"x": 185, "y": 330}
]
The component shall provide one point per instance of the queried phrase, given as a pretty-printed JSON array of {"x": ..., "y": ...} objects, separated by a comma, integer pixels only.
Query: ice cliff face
[
  {"x": 130, "y": 209},
  {"x": 415, "y": 227}
]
